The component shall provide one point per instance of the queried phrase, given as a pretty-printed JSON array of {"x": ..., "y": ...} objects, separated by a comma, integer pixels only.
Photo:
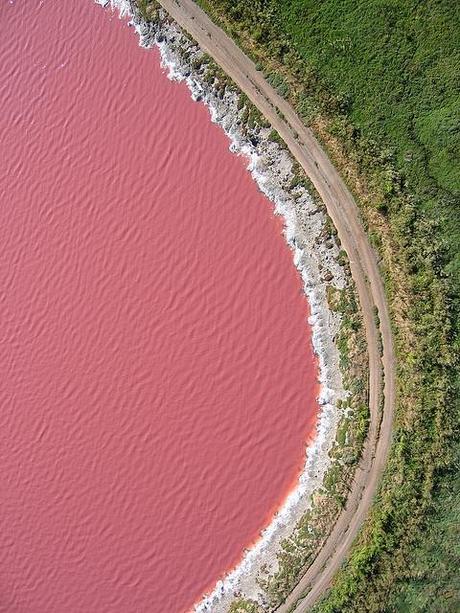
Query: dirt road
[{"x": 344, "y": 213}]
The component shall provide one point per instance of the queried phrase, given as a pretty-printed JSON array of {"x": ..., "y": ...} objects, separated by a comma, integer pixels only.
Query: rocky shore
[{"x": 315, "y": 254}]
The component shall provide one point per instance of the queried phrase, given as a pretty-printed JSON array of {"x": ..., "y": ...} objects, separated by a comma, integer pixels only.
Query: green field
[
  {"x": 379, "y": 80},
  {"x": 396, "y": 64}
]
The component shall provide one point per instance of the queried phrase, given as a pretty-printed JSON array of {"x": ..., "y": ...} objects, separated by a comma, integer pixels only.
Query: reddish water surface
[{"x": 157, "y": 378}]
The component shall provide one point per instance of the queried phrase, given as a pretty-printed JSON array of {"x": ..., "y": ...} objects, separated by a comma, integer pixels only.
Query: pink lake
[{"x": 158, "y": 381}]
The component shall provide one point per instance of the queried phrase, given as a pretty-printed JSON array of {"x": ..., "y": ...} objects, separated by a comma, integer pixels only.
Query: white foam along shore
[{"x": 315, "y": 256}]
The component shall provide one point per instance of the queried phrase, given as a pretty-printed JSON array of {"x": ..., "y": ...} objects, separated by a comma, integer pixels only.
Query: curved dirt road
[{"x": 344, "y": 213}]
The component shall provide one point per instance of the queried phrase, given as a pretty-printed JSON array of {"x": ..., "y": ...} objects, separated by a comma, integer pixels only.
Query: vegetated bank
[
  {"x": 379, "y": 84},
  {"x": 315, "y": 236}
]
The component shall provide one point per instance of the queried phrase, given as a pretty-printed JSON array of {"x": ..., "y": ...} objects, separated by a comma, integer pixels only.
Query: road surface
[{"x": 343, "y": 211}]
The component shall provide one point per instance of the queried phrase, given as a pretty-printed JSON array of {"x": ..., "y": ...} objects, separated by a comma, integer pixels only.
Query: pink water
[{"x": 157, "y": 381}]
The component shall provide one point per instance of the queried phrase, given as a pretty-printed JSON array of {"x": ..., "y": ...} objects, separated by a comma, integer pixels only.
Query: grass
[
  {"x": 396, "y": 65},
  {"x": 432, "y": 581}
]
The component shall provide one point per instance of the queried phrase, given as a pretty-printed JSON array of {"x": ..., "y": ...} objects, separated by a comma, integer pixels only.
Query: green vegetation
[
  {"x": 240, "y": 605},
  {"x": 432, "y": 580},
  {"x": 379, "y": 83},
  {"x": 395, "y": 65},
  {"x": 148, "y": 9}
]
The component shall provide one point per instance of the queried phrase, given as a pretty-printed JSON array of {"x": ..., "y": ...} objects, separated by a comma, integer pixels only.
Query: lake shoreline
[{"x": 315, "y": 255}]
